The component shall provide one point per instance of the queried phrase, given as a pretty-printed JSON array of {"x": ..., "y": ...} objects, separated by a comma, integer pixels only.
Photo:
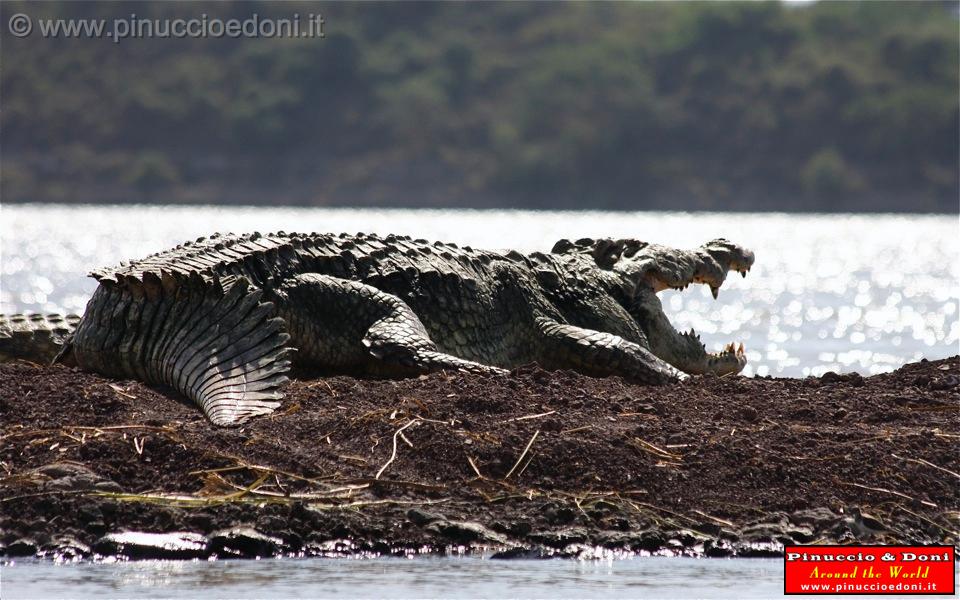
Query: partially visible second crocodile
[{"x": 221, "y": 319}]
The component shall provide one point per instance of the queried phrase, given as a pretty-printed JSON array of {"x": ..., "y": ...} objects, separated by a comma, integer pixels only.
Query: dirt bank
[{"x": 532, "y": 464}]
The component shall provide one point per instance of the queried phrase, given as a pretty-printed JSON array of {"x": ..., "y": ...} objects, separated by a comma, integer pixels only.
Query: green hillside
[{"x": 751, "y": 106}]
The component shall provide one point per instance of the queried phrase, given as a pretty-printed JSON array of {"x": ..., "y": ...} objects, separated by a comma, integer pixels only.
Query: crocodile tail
[
  {"x": 35, "y": 337},
  {"x": 213, "y": 341}
]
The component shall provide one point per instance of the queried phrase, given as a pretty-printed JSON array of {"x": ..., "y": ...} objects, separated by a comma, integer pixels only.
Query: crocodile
[{"x": 223, "y": 319}]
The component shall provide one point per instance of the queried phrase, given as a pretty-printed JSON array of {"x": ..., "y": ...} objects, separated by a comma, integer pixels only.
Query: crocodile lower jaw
[{"x": 729, "y": 361}]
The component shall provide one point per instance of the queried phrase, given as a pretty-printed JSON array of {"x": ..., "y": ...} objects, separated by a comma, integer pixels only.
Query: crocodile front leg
[
  {"x": 599, "y": 353},
  {"x": 347, "y": 325}
]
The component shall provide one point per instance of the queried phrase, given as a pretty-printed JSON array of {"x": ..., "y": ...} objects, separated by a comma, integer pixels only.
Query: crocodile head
[{"x": 642, "y": 270}]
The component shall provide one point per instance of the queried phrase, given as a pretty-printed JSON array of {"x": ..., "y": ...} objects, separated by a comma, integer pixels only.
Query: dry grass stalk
[
  {"x": 886, "y": 491},
  {"x": 927, "y": 463},
  {"x": 526, "y": 417},
  {"x": 955, "y": 534},
  {"x": 393, "y": 454},
  {"x": 575, "y": 429},
  {"x": 656, "y": 450},
  {"x": 473, "y": 465},
  {"x": 715, "y": 519},
  {"x": 119, "y": 390},
  {"x": 525, "y": 450}
]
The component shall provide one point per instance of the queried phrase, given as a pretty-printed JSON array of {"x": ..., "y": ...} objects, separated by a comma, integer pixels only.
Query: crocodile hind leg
[
  {"x": 599, "y": 353},
  {"x": 220, "y": 347},
  {"x": 340, "y": 324}
]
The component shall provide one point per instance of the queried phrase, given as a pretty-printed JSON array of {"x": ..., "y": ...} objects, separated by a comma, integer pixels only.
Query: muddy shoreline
[{"x": 533, "y": 464}]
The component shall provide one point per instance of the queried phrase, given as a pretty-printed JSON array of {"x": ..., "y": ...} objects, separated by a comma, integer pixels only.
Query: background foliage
[{"x": 760, "y": 106}]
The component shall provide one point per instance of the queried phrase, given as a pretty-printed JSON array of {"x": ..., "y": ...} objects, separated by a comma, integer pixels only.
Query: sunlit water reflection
[{"x": 828, "y": 292}]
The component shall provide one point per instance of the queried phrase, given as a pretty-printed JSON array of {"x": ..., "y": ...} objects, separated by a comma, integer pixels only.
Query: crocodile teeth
[
  {"x": 740, "y": 350},
  {"x": 715, "y": 291},
  {"x": 743, "y": 273}
]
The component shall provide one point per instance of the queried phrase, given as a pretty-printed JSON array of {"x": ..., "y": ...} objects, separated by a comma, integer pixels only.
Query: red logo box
[{"x": 921, "y": 570}]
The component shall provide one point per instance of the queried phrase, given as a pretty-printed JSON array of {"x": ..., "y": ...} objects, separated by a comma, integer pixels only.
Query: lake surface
[
  {"x": 845, "y": 293},
  {"x": 449, "y": 577}
]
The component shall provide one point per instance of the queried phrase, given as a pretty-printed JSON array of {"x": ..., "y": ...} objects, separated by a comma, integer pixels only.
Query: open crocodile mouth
[{"x": 708, "y": 265}]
